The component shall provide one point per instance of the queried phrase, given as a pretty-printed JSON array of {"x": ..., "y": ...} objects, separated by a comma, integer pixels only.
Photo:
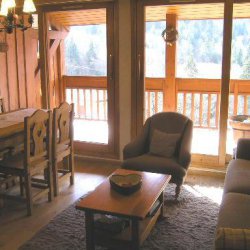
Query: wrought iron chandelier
[{"x": 11, "y": 20}]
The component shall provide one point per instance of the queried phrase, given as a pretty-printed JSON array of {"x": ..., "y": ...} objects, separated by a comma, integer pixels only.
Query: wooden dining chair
[
  {"x": 33, "y": 160},
  {"x": 62, "y": 144},
  {"x": 2, "y": 107}
]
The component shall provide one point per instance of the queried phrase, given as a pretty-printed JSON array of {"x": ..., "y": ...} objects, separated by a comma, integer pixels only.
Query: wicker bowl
[{"x": 125, "y": 184}]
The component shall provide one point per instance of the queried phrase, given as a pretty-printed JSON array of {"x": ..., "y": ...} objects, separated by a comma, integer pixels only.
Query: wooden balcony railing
[
  {"x": 198, "y": 99},
  {"x": 153, "y": 102},
  {"x": 89, "y": 95}
]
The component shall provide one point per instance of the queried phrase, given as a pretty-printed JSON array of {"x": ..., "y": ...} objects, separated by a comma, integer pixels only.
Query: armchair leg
[{"x": 177, "y": 191}]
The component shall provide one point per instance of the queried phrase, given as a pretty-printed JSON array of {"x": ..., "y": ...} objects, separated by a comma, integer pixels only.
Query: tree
[
  {"x": 73, "y": 60},
  {"x": 191, "y": 68},
  {"x": 92, "y": 61},
  {"x": 246, "y": 66},
  {"x": 239, "y": 57}
]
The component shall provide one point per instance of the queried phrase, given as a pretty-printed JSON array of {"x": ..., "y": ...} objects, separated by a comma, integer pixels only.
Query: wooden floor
[{"x": 16, "y": 228}]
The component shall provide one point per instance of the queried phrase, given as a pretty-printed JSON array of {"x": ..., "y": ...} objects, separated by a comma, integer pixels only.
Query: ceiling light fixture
[{"x": 11, "y": 20}]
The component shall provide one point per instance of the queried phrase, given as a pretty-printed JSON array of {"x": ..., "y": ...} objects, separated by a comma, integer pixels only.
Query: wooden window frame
[{"x": 110, "y": 150}]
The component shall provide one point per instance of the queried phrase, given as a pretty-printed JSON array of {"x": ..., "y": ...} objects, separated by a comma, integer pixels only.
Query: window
[
  {"x": 86, "y": 51},
  {"x": 199, "y": 48}
]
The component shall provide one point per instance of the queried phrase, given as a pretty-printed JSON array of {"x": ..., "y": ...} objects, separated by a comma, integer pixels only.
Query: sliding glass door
[
  {"x": 189, "y": 73},
  {"x": 239, "y": 98},
  {"x": 83, "y": 48}
]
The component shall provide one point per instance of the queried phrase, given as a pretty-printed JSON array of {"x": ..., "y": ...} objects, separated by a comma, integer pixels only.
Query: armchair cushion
[
  {"x": 232, "y": 238},
  {"x": 156, "y": 164},
  {"x": 237, "y": 178},
  {"x": 243, "y": 149},
  {"x": 234, "y": 211},
  {"x": 163, "y": 144}
]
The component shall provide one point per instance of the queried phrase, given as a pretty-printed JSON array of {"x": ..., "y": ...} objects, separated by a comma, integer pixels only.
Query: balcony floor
[
  {"x": 91, "y": 131},
  {"x": 205, "y": 141}
]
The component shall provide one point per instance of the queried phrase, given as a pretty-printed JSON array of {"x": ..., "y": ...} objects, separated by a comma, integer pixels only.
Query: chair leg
[
  {"x": 28, "y": 194},
  {"x": 50, "y": 183},
  {"x": 71, "y": 168},
  {"x": 177, "y": 191},
  {"x": 21, "y": 185},
  {"x": 7, "y": 183},
  {"x": 55, "y": 178},
  {"x": 13, "y": 182}
]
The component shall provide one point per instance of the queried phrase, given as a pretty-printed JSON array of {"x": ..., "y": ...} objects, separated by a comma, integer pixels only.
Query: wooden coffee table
[{"x": 135, "y": 207}]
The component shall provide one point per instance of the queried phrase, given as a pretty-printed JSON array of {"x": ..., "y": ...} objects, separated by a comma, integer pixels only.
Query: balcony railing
[
  {"x": 198, "y": 99},
  {"x": 89, "y": 95}
]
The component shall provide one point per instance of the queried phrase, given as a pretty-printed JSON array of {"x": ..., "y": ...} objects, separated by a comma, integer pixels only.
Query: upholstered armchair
[{"x": 163, "y": 146}]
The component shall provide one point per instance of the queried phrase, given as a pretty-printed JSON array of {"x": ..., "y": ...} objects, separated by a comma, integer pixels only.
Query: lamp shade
[
  {"x": 29, "y": 6},
  {"x": 4, "y": 8}
]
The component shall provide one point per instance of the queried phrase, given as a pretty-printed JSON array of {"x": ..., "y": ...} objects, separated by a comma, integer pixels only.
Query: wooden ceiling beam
[
  {"x": 53, "y": 46},
  {"x": 53, "y": 2},
  {"x": 54, "y": 34},
  {"x": 195, "y": 11}
]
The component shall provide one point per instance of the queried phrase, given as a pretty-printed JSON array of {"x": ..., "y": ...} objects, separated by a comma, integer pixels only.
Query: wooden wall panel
[
  {"x": 21, "y": 69},
  {"x": 12, "y": 73},
  {"x": 55, "y": 84},
  {"x": 57, "y": 88},
  {"x": 31, "y": 62},
  {"x": 3, "y": 76},
  {"x": 19, "y": 86}
]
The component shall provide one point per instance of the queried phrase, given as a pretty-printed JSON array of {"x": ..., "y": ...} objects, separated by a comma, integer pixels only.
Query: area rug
[{"x": 189, "y": 223}]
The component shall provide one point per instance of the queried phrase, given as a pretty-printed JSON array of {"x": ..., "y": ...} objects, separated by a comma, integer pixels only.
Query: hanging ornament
[{"x": 170, "y": 35}]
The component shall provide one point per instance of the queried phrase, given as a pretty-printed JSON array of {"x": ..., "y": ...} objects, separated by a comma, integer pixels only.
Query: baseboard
[
  {"x": 192, "y": 170},
  {"x": 98, "y": 159},
  {"x": 212, "y": 172}
]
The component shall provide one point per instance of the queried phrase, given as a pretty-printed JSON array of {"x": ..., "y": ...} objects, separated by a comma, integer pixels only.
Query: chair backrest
[
  {"x": 173, "y": 123},
  {"x": 37, "y": 139},
  {"x": 2, "y": 107},
  {"x": 63, "y": 117},
  {"x": 168, "y": 122}
]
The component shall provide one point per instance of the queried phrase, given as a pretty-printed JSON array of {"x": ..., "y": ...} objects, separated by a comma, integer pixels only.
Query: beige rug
[{"x": 189, "y": 224}]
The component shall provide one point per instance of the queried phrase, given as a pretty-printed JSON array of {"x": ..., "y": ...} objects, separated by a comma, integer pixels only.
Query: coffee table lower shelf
[{"x": 131, "y": 237}]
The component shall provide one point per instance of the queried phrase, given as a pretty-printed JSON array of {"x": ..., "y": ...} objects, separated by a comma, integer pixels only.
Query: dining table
[{"x": 12, "y": 127}]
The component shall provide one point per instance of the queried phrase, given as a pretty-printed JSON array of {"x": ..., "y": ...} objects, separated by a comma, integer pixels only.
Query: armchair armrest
[
  {"x": 133, "y": 149},
  {"x": 185, "y": 149},
  {"x": 139, "y": 145},
  {"x": 243, "y": 149}
]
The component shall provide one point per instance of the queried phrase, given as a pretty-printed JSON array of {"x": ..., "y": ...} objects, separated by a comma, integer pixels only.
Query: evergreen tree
[
  {"x": 73, "y": 59},
  {"x": 240, "y": 58},
  {"x": 191, "y": 68},
  {"x": 246, "y": 66},
  {"x": 92, "y": 59}
]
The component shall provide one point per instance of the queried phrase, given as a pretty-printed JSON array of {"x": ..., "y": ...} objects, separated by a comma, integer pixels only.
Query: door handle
[
  {"x": 139, "y": 67},
  {"x": 111, "y": 67}
]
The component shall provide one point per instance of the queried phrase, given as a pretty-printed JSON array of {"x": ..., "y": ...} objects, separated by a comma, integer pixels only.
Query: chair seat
[
  {"x": 15, "y": 164},
  {"x": 156, "y": 164},
  {"x": 62, "y": 150}
]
